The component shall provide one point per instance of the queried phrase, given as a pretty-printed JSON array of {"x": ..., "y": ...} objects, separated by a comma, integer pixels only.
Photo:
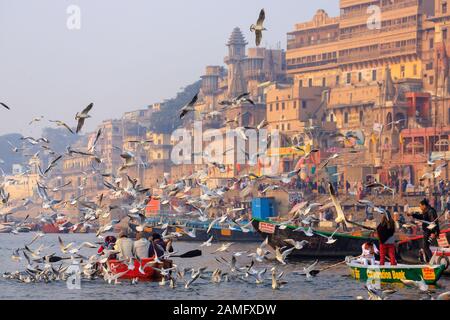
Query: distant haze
[{"x": 127, "y": 55}]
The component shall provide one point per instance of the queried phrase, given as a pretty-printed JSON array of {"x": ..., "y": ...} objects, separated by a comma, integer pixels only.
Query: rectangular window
[
  {"x": 304, "y": 104},
  {"x": 431, "y": 43},
  {"x": 444, "y": 34},
  {"x": 310, "y": 82},
  {"x": 415, "y": 69},
  {"x": 431, "y": 80},
  {"x": 374, "y": 75},
  {"x": 349, "y": 78},
  {"x": 271, "y": 107},
  {"x": 444, "y": 8},
  {"x": 359, "y": 77},
  {"x": 337, "y": 80},
  {"x": 301, "y": 83},
  {"x": 324, "y": 82},
  {"x": 283, "y": 106},
  {"x": 295, "y": 104},
  {"x": 277, "y": 106}
]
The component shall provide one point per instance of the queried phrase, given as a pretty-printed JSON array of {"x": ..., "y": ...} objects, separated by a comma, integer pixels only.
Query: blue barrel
[{"x": 263, "y": 208}]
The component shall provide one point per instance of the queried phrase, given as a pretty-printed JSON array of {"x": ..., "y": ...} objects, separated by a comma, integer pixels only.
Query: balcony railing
[
  {"x": 378, "y": 53},
  {"x": 359, "y": 56},
  {"x": 311, "y": 64},
  {"x": 389, "y": 7},
  {"x": 293, "y": 44},
  {"x": 367, "y": 32},
  {"x": 399, "y": 5},
  {"x": 355, "y": 13},
  {"x": 396, "y": 50}
]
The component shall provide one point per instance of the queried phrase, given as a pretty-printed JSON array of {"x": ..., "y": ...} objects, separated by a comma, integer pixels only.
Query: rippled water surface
[{"x": 331, "y": 284}]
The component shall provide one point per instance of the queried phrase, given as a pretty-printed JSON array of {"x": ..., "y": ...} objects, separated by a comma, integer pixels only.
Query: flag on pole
[{"x": 378, "y": 127}]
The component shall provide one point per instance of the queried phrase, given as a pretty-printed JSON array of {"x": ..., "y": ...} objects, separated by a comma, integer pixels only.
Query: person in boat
[
  {"x": 429, "y": 235},
  {"x": 386, "y": 235},
  {"x": 369, "y": 249},
  {"x": 369, "y": 213},
  {"x": 109, "y": 244},
  {"x": 125, "y": 246},
  {"x": 141, "y": 246},
  {"x": 158, "y": 245}
]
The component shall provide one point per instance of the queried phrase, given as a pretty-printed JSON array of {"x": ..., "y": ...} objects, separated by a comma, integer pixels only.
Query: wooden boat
[
  {"x": 150, "y": 274},
  {"x": 391, "y": 274},
  {"x": 347, "y": 244},
  {"x": 5, "y": 228},
  {"x": 53, "y": 228},
  {"x": 218, "y": 232},
  {"x": 408, "y": 249}
]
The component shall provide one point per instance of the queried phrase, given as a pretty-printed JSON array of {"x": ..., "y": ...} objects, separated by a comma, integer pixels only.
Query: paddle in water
[{"x": 189, "y": 254}]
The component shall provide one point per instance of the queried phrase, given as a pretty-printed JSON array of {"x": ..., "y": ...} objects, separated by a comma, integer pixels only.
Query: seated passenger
[
  {"x": 369, "y": 250},
  {"x": 109, "y": 243},
  {"x": 125, "y": 247},
  {"x": 158, "y": 246},
  {"x": 140, "y": 247}
]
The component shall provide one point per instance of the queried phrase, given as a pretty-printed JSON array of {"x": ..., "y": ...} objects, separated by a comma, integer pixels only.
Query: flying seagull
[
  {"x": 97, "y": 136},
  {"x": 62, "y": 124},
  {"x": 237, "y": 101},
  {"x": 81, "y": 117},
  {"x": 52, "y": 164},
  {"x": 259, "y": 27},
  {"x": 36, "y": 119},
  {"x": 189, "y": 107}
]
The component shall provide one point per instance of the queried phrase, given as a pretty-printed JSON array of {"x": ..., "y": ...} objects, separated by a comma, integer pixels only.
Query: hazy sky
[{"x": 127, "y": 54}]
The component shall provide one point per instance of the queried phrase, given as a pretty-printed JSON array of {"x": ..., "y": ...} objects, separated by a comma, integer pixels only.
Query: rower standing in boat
[
  {"x": 430, "y": 232},
  {"x": 386, "y": 232}
]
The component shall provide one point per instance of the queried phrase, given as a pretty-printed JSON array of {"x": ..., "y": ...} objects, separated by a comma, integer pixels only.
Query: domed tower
[{"x": 236, "y": 54}]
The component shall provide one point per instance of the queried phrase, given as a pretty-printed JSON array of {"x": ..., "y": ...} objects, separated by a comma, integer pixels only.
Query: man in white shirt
[
  {"x": 141, "y": 246},
  {"x": 125, "y": 246}
]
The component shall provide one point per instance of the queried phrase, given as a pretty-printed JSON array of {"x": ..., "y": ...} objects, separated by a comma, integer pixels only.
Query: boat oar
[
  {"x": 189, "y": 254},
  {"x": 54, "y": 259},
  {"x": 315, "y": 272}
]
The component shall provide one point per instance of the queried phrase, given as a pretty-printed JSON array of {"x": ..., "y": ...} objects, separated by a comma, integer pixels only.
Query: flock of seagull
[{"x": 45, "y": 265}]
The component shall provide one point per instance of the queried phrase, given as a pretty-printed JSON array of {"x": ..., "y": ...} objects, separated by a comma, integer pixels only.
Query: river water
[{"x": 334, "y": 284}]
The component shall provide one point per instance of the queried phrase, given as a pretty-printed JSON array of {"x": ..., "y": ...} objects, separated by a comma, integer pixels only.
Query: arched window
[
  {"x": 402, "y": 124},
  {"x": 389, "y": 121},
  {"x": 386, "y": 145}
]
